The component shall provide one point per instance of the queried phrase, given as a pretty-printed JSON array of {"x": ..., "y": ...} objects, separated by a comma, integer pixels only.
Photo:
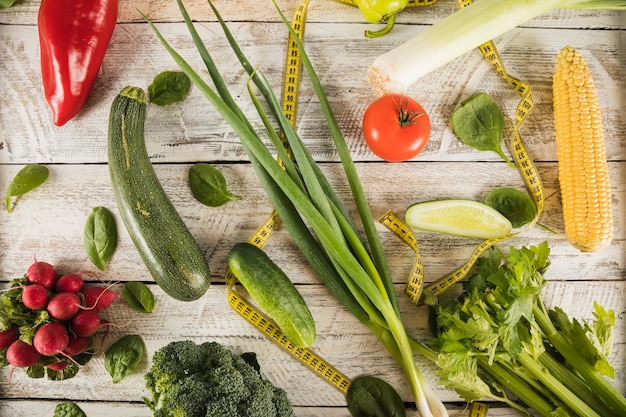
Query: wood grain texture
[{"x": 49, "y": 221}]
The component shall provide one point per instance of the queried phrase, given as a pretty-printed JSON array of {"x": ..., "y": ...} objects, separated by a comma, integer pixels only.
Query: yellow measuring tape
[
  {"x": 411, "y": 3},
  {"x": 414, "y": 289},
  {"x": 245, "y": 309}
]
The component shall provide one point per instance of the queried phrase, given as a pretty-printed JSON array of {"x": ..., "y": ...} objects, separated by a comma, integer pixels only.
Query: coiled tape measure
[{"x": 415, "y": 289}]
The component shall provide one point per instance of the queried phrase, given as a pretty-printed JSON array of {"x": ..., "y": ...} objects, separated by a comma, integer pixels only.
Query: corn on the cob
[{"x": 582, "y": 164}]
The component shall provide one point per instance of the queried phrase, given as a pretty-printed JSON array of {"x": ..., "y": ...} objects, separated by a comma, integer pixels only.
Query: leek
[{"x": 462, "y": 31}]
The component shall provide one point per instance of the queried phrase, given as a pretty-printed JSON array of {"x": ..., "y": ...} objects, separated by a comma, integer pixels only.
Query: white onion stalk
[{"x": 462, "y": 31}]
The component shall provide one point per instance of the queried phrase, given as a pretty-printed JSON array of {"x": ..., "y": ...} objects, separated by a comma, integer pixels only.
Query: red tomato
[{"x": 396, "y": 127}]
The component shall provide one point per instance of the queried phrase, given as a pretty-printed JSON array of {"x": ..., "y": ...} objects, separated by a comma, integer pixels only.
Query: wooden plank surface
[{"x": 49, "y": 221}]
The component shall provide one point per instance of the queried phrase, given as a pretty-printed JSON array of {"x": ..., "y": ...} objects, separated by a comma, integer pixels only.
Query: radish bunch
[{"x": 48, "y": 322}]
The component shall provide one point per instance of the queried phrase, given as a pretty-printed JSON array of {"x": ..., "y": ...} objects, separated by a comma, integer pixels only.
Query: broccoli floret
[{"x": 208, "y": 380}]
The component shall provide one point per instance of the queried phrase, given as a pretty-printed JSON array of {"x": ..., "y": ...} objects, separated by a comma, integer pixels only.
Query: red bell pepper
[{"x": 73, "y": 36}]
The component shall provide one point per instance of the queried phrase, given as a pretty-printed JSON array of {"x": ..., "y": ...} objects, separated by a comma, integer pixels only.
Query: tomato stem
[{"x": 407, "y": 117}]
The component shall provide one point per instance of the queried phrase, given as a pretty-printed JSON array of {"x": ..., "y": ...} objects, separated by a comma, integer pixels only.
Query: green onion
[
  {"x": 462, "y": 31},
  {"x": 352, "y": 267}
]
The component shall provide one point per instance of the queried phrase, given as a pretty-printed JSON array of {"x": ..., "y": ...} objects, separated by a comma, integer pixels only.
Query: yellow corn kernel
[{"x": 582, "y": 164}]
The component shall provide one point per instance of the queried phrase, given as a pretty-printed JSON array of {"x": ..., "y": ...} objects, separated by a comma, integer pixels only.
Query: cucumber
[
  {"x": 274, "y": 292},
  {"x": 166, "y": 246}
]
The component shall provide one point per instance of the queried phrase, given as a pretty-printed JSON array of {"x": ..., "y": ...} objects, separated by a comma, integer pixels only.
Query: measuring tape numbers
[{"x": 237, "y": 301}]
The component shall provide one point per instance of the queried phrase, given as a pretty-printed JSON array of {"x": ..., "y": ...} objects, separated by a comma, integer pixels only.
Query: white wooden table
[{"x": 49, "y": 221}]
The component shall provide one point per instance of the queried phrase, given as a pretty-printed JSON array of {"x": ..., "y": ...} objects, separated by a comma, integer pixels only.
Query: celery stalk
[{"x": 459, "y": 33}]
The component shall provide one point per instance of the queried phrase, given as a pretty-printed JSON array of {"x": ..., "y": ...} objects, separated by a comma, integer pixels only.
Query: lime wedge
[{"x": 458, "y": 217}]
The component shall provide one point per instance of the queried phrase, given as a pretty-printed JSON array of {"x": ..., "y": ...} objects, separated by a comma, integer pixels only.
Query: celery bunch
[{"x": 498, "y": 338}]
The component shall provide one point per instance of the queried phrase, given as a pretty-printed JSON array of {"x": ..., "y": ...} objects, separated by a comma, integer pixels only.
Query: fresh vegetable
[
  {"x": 369, "y": 396},
  {"x": 513, "y": 204},
  {"x": 5, "y": 4},
  {"x": 396, "y": 127},
  {"x": 68, "y": 409},
  {"x": 85, "y": 323},
  {"x": 73, "y": 38},
  {"x": 124, "y": 356},
  {"x": 273, "y": 291},
  {"x": 303, "y": 198},
  {"x": 466, "y": 29},
  {"x": 479, "y": 123},
  {"x": 208, "y": 185},
  {"x": 51, "y": 339},
  {"x": 169, "y": 87},
  {"x": 35, "y": 297},
  {"x": 70, "y": 283},
  {"x": 583, "y": 168},
  {"x": 166, "y": 246},
  {"x": 98, "y": 297},
  {"x": 57, "y": 324},
  {"x": 100, "y": 236},
  {"x": 64, "y": 305},
  {"x": 188, "y": 379},
  {"x": 27, "y": 179},
  {"x": 138, "y": 296},
  {"x": 458, "y": 217},
  {"x": 380, "y": 11},
  {"x": 498, "y": 340}
]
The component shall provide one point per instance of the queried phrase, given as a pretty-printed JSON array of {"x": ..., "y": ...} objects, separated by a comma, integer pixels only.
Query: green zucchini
[
  {"x": 274, "y": 292},
  {"x": 164, "y": 242}
]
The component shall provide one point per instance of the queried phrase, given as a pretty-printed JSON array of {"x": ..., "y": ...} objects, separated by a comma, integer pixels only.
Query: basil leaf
[
  {"x": 369, "y": 396},
  {"x": 208, "y": 185},
  {"x": 169, "y": 87},
  {"x": 513, "y": 204},
  {"x": 124, "y": 356},
  {"x": 27, "y": 179},
  {"x": 138, "y": 296},
  {"x": 100, "y": 236},
  {"x": 68, "y": 410},
  {"x": 479, "y": 123}
]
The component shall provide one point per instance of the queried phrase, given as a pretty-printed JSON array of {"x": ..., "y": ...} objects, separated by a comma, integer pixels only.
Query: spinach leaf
[
  {"x": 100, "y": 236},
  {"x": 479, "y": 123},
  {"x": 27, "y": 179},
  {"x": 124, "y": 356},
  {"x": 5, "y": 4},
  {"x": 513, "y": 204},
  {"x": 138, "y": 296},
  {"x": 68, "y": 410},
  {"x": 169, "y": 87},
  {"x": 369, "y": 396},
  {"x": 208, "y": 185}
]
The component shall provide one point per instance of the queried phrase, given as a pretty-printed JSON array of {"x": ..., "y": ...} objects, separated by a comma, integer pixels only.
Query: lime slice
[{"x": 458, "y": 217}]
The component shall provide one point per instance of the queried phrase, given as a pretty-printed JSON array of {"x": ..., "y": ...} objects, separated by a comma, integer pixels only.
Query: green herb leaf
[
  {"x": 169, "y": 87},
  {"x": 208, "y": 185},
  {"x": 27, "y": 179},
  {"x": 68, "y": 410},
  {"x": 100, "y": 236},
  {"x": 138, "y": 296},
  {"x": 369, "y": 396},
  {"x": 5, "y": 4},
  {"x": 513, "y": 204},
  {"x": 124, "y": 356},
  {"x": 479, "y": 123}
]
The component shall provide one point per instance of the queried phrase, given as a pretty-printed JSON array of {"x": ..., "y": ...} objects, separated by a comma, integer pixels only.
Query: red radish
[
  {"x": 42, "y": 273},
  {"x": 21, "y": 355},
  {"x": 98, "y": 297},
  {"x": 58, "y": 366},
  {"x": 8, "y": 336},
  {"x": 76, "y": 345},
  {"x": 70, "y": 283},
  {"x": 64, "y": 305},
  {"x": 85, "y": 323},
  {"x": 35, "y": 296},
  {"x": 51, "y": 339}
]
